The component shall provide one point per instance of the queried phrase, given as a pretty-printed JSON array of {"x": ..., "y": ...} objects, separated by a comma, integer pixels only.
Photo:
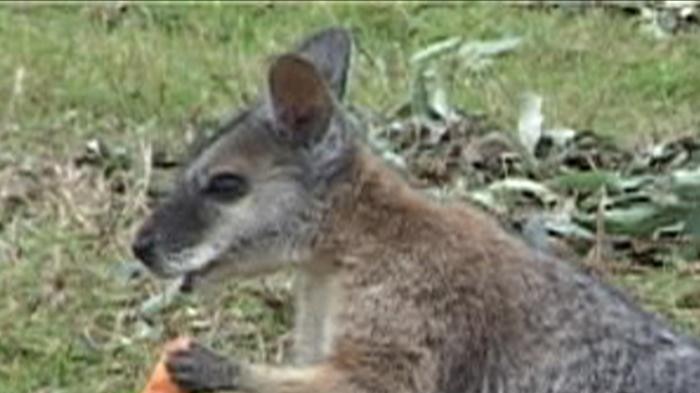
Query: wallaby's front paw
[{"x": 199, "y": 369}]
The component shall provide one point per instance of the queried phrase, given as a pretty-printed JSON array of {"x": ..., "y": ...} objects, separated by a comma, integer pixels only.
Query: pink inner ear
[
  {"x": 296, "y": 118},
  {"x": 299, "y": 95}
]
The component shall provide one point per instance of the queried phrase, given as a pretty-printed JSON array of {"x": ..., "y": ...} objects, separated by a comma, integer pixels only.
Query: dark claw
[{"x": 199, "y": 369}]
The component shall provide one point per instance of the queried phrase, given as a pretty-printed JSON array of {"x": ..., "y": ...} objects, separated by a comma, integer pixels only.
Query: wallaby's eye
[{"x": 226, "y": 186}]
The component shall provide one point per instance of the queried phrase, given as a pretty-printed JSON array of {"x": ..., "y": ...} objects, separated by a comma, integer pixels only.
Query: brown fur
[{"x": 404, "y": 265}]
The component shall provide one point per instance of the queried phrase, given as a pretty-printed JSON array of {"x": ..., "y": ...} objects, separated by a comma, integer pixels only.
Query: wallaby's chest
[{"x": 318, "y": 299}]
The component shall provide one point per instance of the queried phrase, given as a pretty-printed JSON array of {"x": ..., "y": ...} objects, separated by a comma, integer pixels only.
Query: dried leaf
[
  {"x": 484, "y": 49},
  {"x": 495, "y": 196},
  {"x": 436, "y": 49},
  {"x": 439, "y": 104},
  {"x": 530, "y": 122}
]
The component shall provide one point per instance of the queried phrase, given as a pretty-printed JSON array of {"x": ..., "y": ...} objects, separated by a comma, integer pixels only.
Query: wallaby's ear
[
  {"x": 330, "y": 50},
  {"x": 301, "y": 103}
]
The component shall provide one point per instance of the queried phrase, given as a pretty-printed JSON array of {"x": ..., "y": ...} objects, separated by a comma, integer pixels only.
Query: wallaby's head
[{"x": 250, "y": 201}]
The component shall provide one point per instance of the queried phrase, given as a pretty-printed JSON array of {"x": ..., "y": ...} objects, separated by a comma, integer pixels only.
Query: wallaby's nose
[{"x": 143, "y": 247}]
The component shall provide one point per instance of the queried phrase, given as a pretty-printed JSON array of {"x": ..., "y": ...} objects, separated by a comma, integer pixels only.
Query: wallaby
[{"x": 397, "y": 292}]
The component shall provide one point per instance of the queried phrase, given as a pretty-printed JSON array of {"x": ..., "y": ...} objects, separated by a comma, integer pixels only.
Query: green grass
[{"x": 146, "y": 76}]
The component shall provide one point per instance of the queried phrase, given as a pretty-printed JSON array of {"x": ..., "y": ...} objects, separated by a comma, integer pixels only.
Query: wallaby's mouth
[
  {"x": 192, "y": 262},
  {"x": 186, "y": 275},
  {"x": 191, "y": 279}
]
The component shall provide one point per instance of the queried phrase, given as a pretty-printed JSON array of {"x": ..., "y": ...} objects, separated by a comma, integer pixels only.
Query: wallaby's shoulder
[
  {"x": 377, "y": 202},
  {"x": 412, "y": 248}
]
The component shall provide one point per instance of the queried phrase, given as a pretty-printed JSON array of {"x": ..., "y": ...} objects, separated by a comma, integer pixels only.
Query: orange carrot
[{"x": 160, "y": 381}]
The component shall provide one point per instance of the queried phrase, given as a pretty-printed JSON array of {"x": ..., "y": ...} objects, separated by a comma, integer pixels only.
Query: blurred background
[{"x": 575, "y": 123}]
